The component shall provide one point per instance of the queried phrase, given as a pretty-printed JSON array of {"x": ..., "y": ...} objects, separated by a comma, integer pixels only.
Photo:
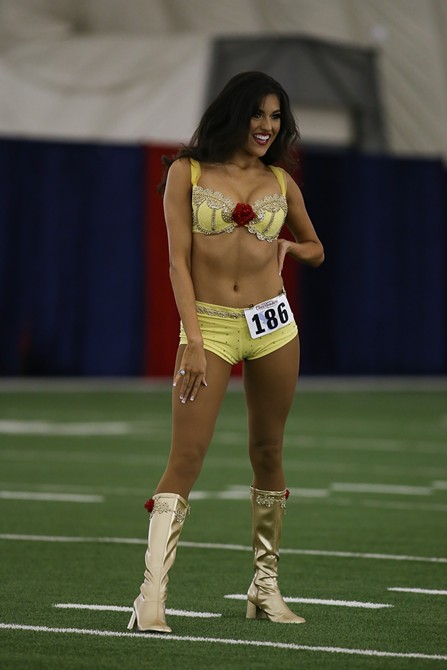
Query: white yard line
[
  {"x": 320, "y": 601},
  {"x": 344, "y": 443},
  {"x": 374, "y": 556},
  {"x": 146, "y": 639},
  {"x": 297, "y": 440},
  {"x": 14, "y": 427},
  {"x": 419, "y": 507},
  {"x": 235, "y": 492},
  {"x": 218, "y": 546},
  {"x": 63, "y": 453},
  {"x": 45, "y": 487},
  {"x": 152, "y": 426},
  {"x": 429, "y": 592},
  {"x": 51, "y": 497},
  {"x": 308, "y": 496},
  {"x": 119, "y": 608},
  {"x": 306, "y": 384},
  {"x": 70, "y": 539},
  {"x": 393, "y": 489},
  {"x": 242, "y": 493}
]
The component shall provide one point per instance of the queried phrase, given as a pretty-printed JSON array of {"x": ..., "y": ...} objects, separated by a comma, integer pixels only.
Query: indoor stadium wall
[
  {"x": 94, "y": 92},
  {"x": 84, "y": 285}
]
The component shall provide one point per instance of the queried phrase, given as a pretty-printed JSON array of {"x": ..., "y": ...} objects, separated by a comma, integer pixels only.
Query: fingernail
[
  {"x": 205, "y": 384},
  {"x": 174, "y": 384},
  {"x": 191, "y": 398},
  {"x": 181, "y": 397}
]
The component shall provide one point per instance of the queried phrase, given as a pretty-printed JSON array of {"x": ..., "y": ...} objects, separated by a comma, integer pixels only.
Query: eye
[
  {"x": 276, "y": 116},
  {"x": 257, "y": 114}
]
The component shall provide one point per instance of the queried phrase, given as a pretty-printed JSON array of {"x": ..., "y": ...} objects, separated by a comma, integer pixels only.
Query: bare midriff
[{"x": 234, "y": 269}]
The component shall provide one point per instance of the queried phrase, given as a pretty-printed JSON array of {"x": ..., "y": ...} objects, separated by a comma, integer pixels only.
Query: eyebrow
[{"x": 276, "y": 111}]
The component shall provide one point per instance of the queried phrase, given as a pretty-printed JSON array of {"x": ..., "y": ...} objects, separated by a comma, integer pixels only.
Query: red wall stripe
[{"x": 161, "y": 316}]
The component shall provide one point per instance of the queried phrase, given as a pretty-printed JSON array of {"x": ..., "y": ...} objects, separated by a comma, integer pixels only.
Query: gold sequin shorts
[{"x": 225, "y": 332}]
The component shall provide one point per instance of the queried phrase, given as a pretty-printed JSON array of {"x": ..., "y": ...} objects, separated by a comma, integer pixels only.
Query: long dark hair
[{"x": 224, "y": 124}]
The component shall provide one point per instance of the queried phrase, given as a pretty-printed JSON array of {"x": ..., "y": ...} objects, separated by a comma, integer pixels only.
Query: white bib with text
[{"x": 268, "y": 316}]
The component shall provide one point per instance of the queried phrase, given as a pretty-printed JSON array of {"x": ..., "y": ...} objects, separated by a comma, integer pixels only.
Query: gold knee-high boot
[
  {"x": 264, "y": 597},
  {"x": 167, "y": 516}
]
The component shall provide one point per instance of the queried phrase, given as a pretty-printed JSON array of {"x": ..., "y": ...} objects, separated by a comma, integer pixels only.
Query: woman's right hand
[{"x": 191, "y": 372}]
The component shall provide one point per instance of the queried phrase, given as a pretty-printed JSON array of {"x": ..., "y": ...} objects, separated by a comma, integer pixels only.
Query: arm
[
  {"x": 307, "y": 248},
  {"x": 177, "y": 209}
]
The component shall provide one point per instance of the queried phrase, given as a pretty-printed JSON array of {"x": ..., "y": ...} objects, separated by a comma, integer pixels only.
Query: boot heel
[
  {"x": 251, "y": 610},
  {"x": 132, "y": 621},
  {"x": 254, "y": 612}
]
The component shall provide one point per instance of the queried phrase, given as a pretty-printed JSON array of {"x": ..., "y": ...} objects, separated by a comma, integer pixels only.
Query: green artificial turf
[{"x": 368, "y": 475}]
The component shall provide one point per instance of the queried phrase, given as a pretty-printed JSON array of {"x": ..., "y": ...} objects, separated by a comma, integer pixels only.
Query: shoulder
[
  {"x": 179, "y": 174},
  {"x": 181, "y": 166},
  {"x": 293, "y": 190},
  {"x": 290, "y": 188}
]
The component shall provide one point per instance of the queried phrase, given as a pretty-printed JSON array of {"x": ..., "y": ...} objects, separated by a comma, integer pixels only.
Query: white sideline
[
  {"x": 228, "y": 547},
  {"x": 430, "y": 592},
  {"x": 229, "y": 641},
  {"x": 119, "y": 608},
  {"x": 319, "y": 601}
]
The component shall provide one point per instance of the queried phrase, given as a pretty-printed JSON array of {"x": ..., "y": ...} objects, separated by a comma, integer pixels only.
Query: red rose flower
[
  {"x": 287, "y": 493},
  {"x": 149, "y": 505},
  {"x": 243, "y": 213}
]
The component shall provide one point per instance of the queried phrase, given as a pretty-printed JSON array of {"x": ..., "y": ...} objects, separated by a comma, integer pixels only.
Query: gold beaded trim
[
  {"x": 224, "y": 314},
  {"x": 269, "y": 501},
  {"x": 215, "y": 200},
  {"x": 180, "y": 515},
  {"x": 162, "y": 506}
]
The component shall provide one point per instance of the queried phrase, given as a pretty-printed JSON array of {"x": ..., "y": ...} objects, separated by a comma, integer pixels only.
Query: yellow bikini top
[{"x": 214, "y": 213}]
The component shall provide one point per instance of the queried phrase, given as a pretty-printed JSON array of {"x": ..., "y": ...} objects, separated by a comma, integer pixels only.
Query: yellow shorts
[{"x": 225, "y": 332}]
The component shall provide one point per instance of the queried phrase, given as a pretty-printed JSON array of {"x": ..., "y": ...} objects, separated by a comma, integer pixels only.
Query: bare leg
[
  {"x": 269, "y": 388},
  {"x": 192, "y": 430},
  {"x": 193, "y": 426},
  {"x": 270, "y": 385}
]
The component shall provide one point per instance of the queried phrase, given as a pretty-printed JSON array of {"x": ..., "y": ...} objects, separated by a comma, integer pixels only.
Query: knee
[
  {"x": 266, "y": 453},
  {"x": 188, "y": 461}
]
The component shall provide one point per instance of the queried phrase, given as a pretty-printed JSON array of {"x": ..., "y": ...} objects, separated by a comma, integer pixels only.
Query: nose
[{"x": 267, "y": 124}]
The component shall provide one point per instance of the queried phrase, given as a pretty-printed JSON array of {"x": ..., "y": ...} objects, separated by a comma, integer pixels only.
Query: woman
[{"x": 225, "y": 204}]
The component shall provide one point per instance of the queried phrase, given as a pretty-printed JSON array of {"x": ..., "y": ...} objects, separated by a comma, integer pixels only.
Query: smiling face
[{"x": 265, "y": 124}]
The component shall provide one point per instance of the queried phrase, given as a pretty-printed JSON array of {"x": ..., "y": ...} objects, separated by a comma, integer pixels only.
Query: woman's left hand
[{"x": 283, "y": 248}]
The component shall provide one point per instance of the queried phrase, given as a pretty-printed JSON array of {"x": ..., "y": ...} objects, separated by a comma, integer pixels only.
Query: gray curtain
[{"x": 313, "y": 73}]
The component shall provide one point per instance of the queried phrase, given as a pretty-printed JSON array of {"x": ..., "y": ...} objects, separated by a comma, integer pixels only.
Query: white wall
[{"x": 132, "y": 70}]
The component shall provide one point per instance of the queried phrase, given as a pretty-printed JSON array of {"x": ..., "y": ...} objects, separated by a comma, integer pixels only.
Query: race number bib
[{"x": 268, "y": 316}]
